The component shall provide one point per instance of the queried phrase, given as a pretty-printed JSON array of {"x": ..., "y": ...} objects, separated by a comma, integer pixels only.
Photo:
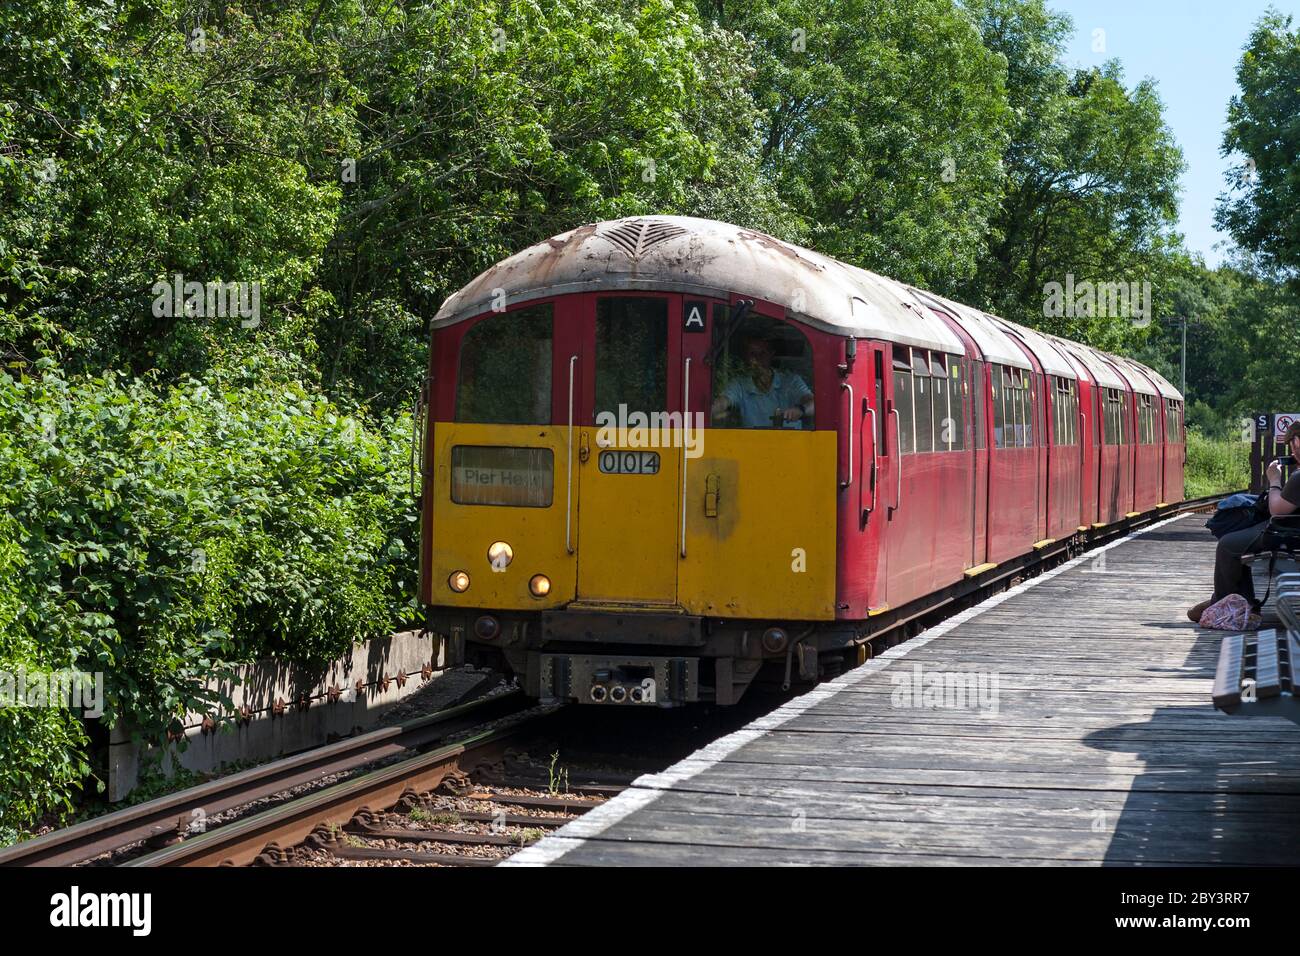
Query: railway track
[
  {"x": 174, "y": 817},
  {"x": 381, "y": 816}
]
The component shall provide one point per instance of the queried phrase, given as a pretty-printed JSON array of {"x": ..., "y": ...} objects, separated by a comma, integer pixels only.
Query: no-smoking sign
[{"x": 1281, "y": 423}]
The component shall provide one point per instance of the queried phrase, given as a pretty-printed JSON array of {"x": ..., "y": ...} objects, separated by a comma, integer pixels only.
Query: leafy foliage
[
  {"x": 153, "y": 534},
  {"x": 1091, "y": 181},
  {"x": 1262, "y": 206}
]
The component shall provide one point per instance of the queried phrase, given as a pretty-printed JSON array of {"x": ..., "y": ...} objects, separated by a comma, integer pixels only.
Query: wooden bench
[{"x": 1259, "y": 673}]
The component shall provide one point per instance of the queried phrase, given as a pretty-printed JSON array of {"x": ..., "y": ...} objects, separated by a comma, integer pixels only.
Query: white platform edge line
[{"x": 646, "y": 789}]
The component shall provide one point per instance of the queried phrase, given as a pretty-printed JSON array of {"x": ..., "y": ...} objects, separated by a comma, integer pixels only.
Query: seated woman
[{"x": 1230, "y": 575}]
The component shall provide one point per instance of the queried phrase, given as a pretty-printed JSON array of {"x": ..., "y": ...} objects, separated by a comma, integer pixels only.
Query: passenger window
[
  {"x": 924, "y": 392},
  {"x": 903, "y": 399},
  {"x": 1022, "y": 410},
  {"x": 1000, "y": 379},
  {"x": 1116, "y": 427},
  {"x": 762, "y": 376},
  {"x": 1066, "y": 405},
  {"x": 631, "y": 354},
  {"x": 505, "y": 369},
  {"x": 952, "y": 434},
  {"x": 1016, "y": 429},
  {"x": 1172, "y": 435}
]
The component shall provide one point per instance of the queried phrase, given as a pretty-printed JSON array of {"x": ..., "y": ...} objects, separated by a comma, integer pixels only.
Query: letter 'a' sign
[{"x": 693, "y": 315}]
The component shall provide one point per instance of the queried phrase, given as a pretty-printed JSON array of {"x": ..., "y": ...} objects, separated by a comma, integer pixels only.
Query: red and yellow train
[{"x": 664, "y": 453}]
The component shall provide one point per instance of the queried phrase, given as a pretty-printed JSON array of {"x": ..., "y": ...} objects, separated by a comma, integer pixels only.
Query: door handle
[
  {"x": 686, "y": 417},
  {"x": 875, "y": 459},
  {"x": 584, "y": 452},
  {"x": 568, "y": 494},
  {"x": 849, "y": 388},
  {"x": 898, "y": 466}
]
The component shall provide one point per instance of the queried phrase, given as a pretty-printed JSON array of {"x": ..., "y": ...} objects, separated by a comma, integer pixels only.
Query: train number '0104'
[{"x": 616, "y": 462}]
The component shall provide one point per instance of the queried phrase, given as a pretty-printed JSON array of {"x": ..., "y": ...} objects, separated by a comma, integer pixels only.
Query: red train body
[{"x": 961, "y": 442}]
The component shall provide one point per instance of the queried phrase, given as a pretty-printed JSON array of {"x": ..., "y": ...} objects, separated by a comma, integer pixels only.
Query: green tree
[
  {"x": 1262, "y": 206},
  {"x": 882, "y": 126},
  {"x": 1091, "y": 179}
]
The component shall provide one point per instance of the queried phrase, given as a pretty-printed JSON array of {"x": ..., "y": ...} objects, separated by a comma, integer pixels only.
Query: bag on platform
[
  {"x": 1233, "y": 613},
  {"x": 1237, "y": 513}
]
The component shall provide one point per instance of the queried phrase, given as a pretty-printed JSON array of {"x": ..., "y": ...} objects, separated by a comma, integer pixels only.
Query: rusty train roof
[{"x": 716, "y": 259}]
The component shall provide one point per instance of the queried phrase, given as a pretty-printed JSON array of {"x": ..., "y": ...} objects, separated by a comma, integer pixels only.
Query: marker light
[
  {"x": 500, "y": 555},
  {"x": 539, "y": 585},
  {"x": 458, "y": 582}
]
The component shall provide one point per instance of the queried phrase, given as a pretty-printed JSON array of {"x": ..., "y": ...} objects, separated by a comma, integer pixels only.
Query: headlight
[
  {"x": 500, "y": 555},
  {"x": 458, "y": 582},
  {"x": 539, "y": 585}
]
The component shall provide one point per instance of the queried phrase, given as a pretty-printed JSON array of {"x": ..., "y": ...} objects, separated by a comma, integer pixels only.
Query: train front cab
[{"x": 615, "y": 566}]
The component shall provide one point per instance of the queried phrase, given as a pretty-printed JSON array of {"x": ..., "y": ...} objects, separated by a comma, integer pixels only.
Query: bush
[
  {"x": 156, "y": 534},
  {"x": 1215, "y": 466}
]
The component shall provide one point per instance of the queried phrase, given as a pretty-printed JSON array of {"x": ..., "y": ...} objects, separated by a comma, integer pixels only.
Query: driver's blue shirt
[{"x": 757, "y": 407}]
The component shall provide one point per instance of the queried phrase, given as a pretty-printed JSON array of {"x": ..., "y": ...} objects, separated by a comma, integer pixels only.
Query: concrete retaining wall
[{"x": 278, "y": 710}]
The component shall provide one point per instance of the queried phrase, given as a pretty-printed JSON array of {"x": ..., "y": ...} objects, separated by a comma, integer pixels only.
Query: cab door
[{"x": 630, "y": 448}]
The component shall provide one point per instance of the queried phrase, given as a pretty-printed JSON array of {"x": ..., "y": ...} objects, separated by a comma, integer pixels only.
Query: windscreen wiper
[{"x": 738, "y": 313}]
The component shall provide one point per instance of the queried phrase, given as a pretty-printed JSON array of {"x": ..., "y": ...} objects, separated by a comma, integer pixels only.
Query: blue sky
[{"x": 1190, "y": 49}]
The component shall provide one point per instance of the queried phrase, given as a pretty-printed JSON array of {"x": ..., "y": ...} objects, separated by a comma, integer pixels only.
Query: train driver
[{"x": 767, "y": 396}]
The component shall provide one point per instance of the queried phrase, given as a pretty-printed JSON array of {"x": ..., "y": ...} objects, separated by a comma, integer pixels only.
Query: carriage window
[
  {"x": 1015, "y": 427},
  {"x": 1058, "y": 405},
  {"x": 1066, "y": 407},
  {"x": 631, "y": 354},
  {"x": 999, "y": 407},
  {"x": 941, "y": 428},
  {"x": 1173, "y": 434},
  {"x": 951, "y": 434},
  {"x": 923, "y": 395},
  {"x": 1028, "y": 413},
  {"x": 1146, "y": 420},
  {"x": 1116, "y": 420},
  {"x": 505, "y": 369},
  {"x": 903, "y": 399},
  {"x": 978, "y": 400},
  {"x": 762, "y": 376}
]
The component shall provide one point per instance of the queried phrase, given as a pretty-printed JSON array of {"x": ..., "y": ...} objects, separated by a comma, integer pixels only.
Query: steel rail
[
  {"x": 268, "y": 834},
  {"x": 171, "y": 816}
]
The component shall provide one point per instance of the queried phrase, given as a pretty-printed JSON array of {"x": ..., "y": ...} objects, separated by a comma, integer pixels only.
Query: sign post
[
  {"x": 1281, "y": 422},
  {"x": 1267, "y": 446}
]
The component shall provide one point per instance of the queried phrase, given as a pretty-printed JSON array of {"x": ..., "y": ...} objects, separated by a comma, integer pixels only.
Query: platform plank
[{"x": 1092, "y": 740}]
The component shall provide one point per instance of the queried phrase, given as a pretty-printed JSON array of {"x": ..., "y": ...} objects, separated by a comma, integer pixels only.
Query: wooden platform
[{"x": 1099, "y": 745}]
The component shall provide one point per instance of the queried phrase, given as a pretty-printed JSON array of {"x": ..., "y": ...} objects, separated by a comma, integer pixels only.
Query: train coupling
[{"x": 615, "y": 681}]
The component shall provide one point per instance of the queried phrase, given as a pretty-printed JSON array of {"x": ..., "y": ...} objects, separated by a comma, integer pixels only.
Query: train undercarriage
[{"x": 647, "y": 659}]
